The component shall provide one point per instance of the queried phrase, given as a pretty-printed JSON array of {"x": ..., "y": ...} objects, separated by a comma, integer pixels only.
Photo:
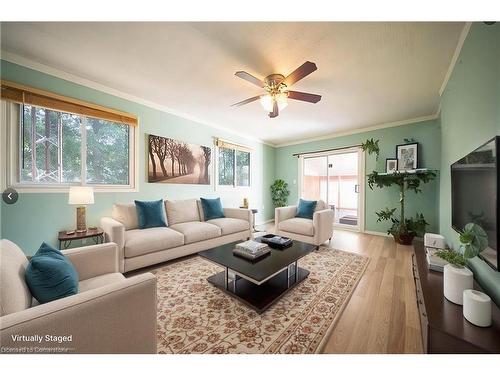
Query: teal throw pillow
[
  {"x": 150, "y": 214},
  {"x": 50, "y": 275},
  {"x": 212, "y": 208},
  {"x": 306, "y": 209}
]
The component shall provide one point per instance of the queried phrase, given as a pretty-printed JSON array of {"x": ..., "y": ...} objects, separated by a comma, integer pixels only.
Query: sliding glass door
[{"x": 336, "y": 178}]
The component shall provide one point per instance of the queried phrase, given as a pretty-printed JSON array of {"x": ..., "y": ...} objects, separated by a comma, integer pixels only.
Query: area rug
[{"x": 196, "y": 317}]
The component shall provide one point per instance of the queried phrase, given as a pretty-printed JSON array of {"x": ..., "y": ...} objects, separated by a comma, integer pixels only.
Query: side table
[
  {"x": 254, "y": 211},
  {"x": 65, "y": 239}
]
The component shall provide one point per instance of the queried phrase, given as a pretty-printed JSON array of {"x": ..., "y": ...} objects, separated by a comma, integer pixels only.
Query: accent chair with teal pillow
[
  {"x": 212, "y": 208},
  {"x": 50, "y": 275},
  {"x": 306, "y": 209},
  {"x": 150, "y": 214}
]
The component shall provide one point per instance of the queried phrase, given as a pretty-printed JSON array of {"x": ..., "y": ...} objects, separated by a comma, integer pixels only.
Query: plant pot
[
  {"x": 404, "y": 239},
  {"x": 455, "y": 281}
]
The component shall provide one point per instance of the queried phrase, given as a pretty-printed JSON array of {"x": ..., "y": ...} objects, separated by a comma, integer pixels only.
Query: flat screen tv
[{"x": 474, "y": 190}]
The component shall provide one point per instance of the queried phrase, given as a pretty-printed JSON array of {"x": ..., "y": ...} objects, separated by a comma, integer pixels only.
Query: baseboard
[
  {"x": 265, "y": 222},
  {"x": 375, "y": 233}
]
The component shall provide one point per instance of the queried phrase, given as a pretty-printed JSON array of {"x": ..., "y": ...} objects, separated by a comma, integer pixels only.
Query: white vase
[
  {"x": 455, "y": 281},
  {"x": 477, "y": 308}
]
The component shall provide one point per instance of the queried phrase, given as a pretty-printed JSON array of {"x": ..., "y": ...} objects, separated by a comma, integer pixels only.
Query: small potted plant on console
[{"x": 457, "y": 277}]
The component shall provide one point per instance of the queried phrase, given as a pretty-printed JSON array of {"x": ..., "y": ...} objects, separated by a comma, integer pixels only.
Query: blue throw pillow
[
  {"x": 306, "y": 209},
  {"x": 212, "y": 208},
  {"x": 50, "y": 275},
  {"x": 150, "y": 214}
]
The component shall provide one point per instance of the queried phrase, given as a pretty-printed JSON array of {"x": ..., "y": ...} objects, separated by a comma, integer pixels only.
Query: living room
[{"x": 149, "y": 207}]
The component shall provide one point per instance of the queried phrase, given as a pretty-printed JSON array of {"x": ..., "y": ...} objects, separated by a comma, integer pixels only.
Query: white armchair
[
  {"x": 315, "y": 231},
  {"x": 110, "y": 313}
]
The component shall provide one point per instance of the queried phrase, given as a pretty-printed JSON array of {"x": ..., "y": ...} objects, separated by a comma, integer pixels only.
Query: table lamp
[{"x": 80, "y": 196}]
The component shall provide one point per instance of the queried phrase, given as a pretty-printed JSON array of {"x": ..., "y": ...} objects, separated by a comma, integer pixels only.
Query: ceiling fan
[{"x": 277, "y": 92}]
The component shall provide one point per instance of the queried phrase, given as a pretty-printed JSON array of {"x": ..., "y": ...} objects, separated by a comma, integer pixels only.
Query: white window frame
[
  {"x": 362, "y": 183},
  {"x": 12, "y": 118},
  {"x": 232, "y": 187}
]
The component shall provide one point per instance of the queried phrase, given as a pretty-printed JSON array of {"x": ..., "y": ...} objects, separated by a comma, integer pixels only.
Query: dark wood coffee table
[{"x": 261, "y": 283}]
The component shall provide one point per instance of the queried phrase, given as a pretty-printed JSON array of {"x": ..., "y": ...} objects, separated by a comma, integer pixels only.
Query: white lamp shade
[{"x": 81, "y": 195}]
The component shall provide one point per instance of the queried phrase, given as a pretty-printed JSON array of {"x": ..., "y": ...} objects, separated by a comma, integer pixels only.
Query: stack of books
[
  {"x": 434, "y": 262},
  {"x": 251, "y": 250}
]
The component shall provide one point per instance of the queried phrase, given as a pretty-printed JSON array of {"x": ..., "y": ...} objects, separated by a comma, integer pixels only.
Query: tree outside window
[
  {"x": 54, "y": 145},
  {"x": 234, "y": 167}
]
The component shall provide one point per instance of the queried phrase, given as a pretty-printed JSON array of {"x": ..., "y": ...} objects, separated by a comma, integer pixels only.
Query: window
[
  {"x": 62, "y": 148},
  {"x": 233, "y": 166},
  {"x": 55, "y": 141}
]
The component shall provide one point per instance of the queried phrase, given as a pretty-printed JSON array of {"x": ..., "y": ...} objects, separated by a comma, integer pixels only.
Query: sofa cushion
[
  {"x": 229, "y": 225},
  {"x": 50, "y": 275},
  {"x": 14, "y": 292},
  {"x": 297, "y": 225},
  {"x": 101, "y": 280},
  {"x": 145, "y": 241},
  {"x": 181, "y": 211},
  {"x": 196, "y": 231},
  {"x": 306, "y": 209},
  {"x": 212, "y": 208},
  {"x": 125, "y": 213},
  {"x": 200, "y": 210},
  {"x": 150, "y": 214}
]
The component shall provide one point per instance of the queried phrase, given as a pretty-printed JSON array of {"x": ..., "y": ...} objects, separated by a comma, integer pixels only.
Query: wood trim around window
[
  {"x": 28, "y": 95},
  {"x": 233, "y": 146}
]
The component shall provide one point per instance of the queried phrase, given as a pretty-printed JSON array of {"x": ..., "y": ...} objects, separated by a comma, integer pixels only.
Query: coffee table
[{"x": 261, "y": 283}]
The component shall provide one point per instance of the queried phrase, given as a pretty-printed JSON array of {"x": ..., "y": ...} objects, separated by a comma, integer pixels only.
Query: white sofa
[
  {"x": 110, "y": 313},
  {"x": 187, "y": 232},
  {"x": 315, "y": 231}
]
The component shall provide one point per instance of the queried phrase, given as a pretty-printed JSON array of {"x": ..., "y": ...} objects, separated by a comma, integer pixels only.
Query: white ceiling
[{"x": 368, "y": 73}]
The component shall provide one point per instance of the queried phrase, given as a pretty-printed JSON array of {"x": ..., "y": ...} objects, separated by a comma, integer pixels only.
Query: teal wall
[
  {"x": 470, "y": 109},
  {"x": 37, "y": 217},
  {"x": 426, "y": 133}
]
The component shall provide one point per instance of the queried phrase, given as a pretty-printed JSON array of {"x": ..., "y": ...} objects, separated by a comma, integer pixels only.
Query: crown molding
[
  {"x": 362, "y": 130},
  {"x": 73, "y": 78},
  {"x": 454, "y": 59}
]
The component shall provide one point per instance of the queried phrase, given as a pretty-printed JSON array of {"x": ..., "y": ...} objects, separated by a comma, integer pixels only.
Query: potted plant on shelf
[
  {"x": 457, "y": 277},
  {"x": 403, "y": 229},
  {"x": 279, "y": 193}
]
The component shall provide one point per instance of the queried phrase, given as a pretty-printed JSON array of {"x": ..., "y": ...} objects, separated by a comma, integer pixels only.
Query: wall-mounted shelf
[{"x": 408, "y": 172}]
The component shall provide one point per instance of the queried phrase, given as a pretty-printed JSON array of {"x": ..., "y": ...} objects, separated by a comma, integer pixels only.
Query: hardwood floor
[{"x": 382, "y": 314}]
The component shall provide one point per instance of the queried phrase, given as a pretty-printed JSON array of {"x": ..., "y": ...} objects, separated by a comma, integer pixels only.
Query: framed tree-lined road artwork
[{"x": 176, "y": 162}]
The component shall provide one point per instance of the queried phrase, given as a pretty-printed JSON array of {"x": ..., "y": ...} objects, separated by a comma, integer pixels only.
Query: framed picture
[
  {"x": 176, "y": 162},
  {"x": 391, "y": 165},
  {"x": 407, "y": 155}
]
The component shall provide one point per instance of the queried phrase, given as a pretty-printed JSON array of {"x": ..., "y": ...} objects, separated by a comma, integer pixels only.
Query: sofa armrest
[
  {"x": 284, "y": 213},
  {"x": 116, "y": 318},
  {"x": 323, "y": 225},
  {"x": 115, "y": 232},
  {"x": 95, "y": 260},
  {"x": 239, "y": 213}
]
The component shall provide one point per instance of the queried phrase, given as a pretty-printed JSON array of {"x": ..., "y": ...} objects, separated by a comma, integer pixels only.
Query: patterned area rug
[{"x": 196, "y": 317}]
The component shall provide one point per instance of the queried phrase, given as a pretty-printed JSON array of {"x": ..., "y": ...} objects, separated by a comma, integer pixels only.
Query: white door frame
[{"x": 361, "y": 180}]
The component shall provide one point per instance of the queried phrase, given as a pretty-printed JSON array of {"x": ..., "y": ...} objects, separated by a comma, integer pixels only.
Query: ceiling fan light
[
  {"x": 282, "y": 101},
  {"x": 267, "y": 102}
]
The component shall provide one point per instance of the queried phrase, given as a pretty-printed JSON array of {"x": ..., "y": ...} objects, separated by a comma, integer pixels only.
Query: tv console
[{"x": 444, "y": 328}]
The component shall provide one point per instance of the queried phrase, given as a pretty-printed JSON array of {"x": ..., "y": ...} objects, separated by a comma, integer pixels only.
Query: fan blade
[
  {"x": 246, "y": 101},
  {"x": 299, "y": 73},
  {"x": 250, "y": 78},
  {"x": 304, "y": 96},
  {"x": 275, "y": 111}
]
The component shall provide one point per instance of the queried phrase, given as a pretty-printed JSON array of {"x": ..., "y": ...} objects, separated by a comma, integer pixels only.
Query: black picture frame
[
  {"x": 387, "y": 160},
  {"x": 402, "y": 166}
]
